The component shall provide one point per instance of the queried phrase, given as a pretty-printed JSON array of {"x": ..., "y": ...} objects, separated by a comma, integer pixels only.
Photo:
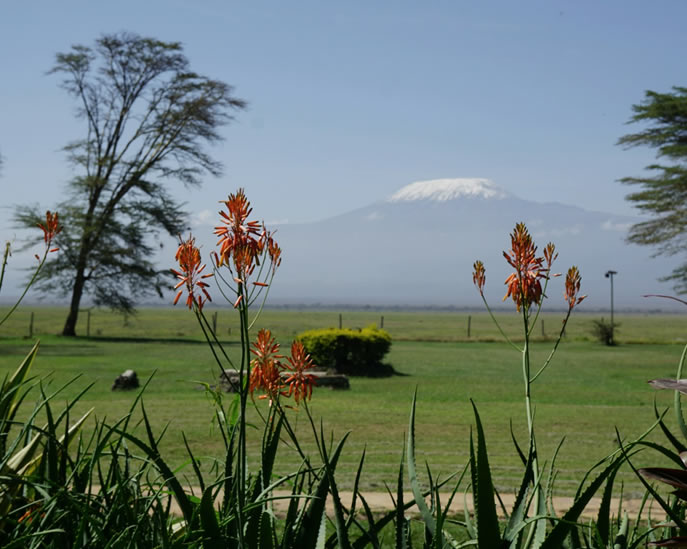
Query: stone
[{"x": 125, "y": 381}]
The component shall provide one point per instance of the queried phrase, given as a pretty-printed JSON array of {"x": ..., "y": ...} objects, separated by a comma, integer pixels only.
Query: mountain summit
[{"x": 441, "y": 190}]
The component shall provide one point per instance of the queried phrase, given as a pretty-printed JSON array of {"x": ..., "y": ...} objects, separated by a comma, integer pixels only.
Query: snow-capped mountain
[
  {"x": 441, "y": 190},
  {"x": 418, "y": 247}
]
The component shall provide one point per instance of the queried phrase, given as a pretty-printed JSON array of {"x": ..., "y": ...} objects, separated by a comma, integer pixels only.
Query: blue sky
[{"x": 349, "y": 101}]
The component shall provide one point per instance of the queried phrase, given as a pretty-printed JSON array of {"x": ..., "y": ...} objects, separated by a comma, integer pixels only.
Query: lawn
[{"x": 588, "y": 392}]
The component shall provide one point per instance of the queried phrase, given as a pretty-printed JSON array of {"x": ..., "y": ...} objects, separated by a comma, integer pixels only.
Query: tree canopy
[
  {"x": 148, "y": 119},
  {"x": 662, "y": 193}
]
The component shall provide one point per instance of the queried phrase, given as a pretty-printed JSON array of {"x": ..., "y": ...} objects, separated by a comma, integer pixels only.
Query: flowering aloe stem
[
  {"x": 28, "y": 285},
  {"x": 555, "y": 348},
  {"x": 530, "y": 422},
  {"x": 264, "y": 300},
  {"x": 496, "y": 322},
  {"x": 244, "y": 376},
  {"x": 205, "y": 326}
]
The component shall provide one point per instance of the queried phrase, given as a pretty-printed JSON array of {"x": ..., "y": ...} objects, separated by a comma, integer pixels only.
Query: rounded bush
[{"x": 352, "y": 352}]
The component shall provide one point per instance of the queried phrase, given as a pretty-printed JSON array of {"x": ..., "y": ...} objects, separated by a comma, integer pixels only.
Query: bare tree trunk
[{"x": 73, "y": 316}]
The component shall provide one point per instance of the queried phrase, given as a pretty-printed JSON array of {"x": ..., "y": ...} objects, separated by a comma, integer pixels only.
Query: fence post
[
  {"x": 381, "y": 323},
  {"x": 31, "y": 326},
  {"x": 88, "y": 324},
  {"x": 543, "y": 333},
  {"x": 214, "y": 322},
  {"x": 340, "y": 321},
  {"x": 469, "y": 325}
]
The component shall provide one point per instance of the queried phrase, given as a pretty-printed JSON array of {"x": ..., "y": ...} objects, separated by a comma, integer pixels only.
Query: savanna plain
[{"x": 588, "y": 392}]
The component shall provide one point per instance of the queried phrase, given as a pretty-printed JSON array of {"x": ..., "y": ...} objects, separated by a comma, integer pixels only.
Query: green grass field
[{"x": 588, "y": 392}]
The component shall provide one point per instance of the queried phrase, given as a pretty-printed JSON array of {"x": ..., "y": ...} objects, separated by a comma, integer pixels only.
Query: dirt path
[{"x": 381, "y": 501}]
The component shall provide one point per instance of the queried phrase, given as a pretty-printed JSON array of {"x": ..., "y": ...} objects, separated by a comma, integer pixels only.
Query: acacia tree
[
  {"x": 663, "y": 192},
  {"x": 148, "y": 119}
]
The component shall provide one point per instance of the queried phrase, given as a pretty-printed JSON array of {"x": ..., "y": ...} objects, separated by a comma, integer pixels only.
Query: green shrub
[
  {"x": 604, "y": 331},
  {"x": 352, "y": 352}
]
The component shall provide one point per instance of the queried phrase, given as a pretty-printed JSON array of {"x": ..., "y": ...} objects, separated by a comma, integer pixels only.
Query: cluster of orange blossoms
[
  {"x": 242, "y": 242},
  {"x": 274, "y": 377},
  {"x": 50, "y": 228},
  {"x": 524, "y": 286},
  {"x": 188, "y": 257}
]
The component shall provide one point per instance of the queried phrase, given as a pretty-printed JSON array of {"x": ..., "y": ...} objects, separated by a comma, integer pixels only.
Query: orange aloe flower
[
  {"x": 239, "y": 238},
  {"x": 550, "y": 254},
  {"x": 51, "y": 228},
  {"x": 243, "y": 242},
  {"x": 572, "y": 287},
  {"x": 188, "y": 256},
  {"x": 300, "y": 382},
  {"x": 265, "y": 374},
  {"x": 479, "y": 276},
  {"x": 524, "y": 285}
]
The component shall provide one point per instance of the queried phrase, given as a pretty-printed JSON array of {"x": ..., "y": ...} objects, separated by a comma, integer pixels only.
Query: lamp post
[{"x": 609, "y": 274}]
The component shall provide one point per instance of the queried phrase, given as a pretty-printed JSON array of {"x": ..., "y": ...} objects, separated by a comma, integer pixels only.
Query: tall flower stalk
[
  {"x": 51, "y": 228},
  {"x": 243, "y": 268},
  {"x": 527, "y": 286}
]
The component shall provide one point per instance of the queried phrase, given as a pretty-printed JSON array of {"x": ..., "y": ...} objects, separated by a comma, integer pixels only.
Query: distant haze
[{"x": 417, "y": 248}]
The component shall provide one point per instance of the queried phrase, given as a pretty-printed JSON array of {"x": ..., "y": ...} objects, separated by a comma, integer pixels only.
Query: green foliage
[
  {"x": 661, "y": 192},
  {"x": 352, "y": 352}
]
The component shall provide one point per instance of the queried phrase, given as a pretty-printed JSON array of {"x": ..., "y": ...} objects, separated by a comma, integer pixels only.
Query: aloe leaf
[
  {"x": 540, "y": 527},
  {"x": 483, "y": 490},
  {"x": 521, "y": 502},
  {"x": 469, "y": 525},
  {"x": 567, "y": 522},
  {"x": 603, "y": 520},
  {"x": 663, "y": 450},
  {"x": 401, "y": 530},
  {"x": 270, "y": 444},
  {"x": 339, "y": 521},
  {"x": 321, "y": 534},
  {"x": 194, "y": 464},
  {"x": 523, "y": 458},
  {"x": 356, "y": 489},
  {"x": 314, "y": 514},
  {"x": 427, "y": 517},
  {"x": 679, "y": 447},
  {"x": 19, "y": 376},
  {"x": 267, "y": 534},
  {"x": 292, "y": 511},
  {"x": 212, "y": 535},
  {"x": 620, "y": 541}
]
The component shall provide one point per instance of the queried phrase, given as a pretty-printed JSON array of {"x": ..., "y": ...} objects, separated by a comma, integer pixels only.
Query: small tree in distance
[{"x": 148, "y": 119}]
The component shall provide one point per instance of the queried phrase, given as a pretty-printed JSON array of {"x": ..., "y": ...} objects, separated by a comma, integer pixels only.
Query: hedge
[{"x": 351, "y": 352}]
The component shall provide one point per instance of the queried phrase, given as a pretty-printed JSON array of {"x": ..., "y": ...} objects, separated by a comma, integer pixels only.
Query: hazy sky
[{"x": 349, "y": 101}]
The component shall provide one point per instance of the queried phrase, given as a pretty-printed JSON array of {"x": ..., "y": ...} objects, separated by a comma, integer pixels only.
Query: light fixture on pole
[{"x": 609, "y": 274}]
